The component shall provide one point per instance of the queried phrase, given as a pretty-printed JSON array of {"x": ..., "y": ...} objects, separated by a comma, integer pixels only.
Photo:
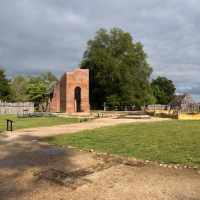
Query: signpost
[{"x": 9, "y": 125}]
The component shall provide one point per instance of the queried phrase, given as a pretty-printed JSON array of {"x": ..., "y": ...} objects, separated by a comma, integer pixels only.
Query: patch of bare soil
[
  {"x": 74, "y": 179},
  {"x": 30, "y": 170},
  {"x": 71, "y": 179}
]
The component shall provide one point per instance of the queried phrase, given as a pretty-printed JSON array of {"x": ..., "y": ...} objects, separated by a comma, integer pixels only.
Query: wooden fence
[
  {"x": 16, "y": 108},
  {"x": 157, "y": 107}
]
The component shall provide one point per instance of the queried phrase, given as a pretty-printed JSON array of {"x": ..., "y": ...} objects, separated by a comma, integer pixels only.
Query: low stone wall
[
  {"x": 173, "y": 115},
  {"x": 162, "y": 114},
  {"x": 187, "y": 116},
  {"x": 16, "y": 108}
]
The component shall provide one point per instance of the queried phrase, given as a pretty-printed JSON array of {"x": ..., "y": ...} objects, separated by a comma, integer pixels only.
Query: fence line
[
  {"x": 16, "y": 108},
  {"x": 158, "y": 107}
]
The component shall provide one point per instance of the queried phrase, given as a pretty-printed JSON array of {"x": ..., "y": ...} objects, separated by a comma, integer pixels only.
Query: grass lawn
[
  {"x": 169, "y": 141},
  {"x": 20, "y": 123}
]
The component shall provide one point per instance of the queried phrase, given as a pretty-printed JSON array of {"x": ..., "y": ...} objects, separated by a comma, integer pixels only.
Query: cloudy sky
[{"x": 43, "y": 35}]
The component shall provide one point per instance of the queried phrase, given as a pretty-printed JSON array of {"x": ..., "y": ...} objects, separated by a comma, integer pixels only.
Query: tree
[
  {"x": 5, "y": 91},
  {"x": 48, "y": 77},
  {"x": 39, "y": 89},
  {"x": 119, "y": 71},
  {"x": 163, "y": 90},
  {"x": 19, "y": 88}
]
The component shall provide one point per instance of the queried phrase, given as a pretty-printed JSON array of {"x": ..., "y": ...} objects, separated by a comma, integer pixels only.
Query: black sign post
[{"x": 9, "y": 125}]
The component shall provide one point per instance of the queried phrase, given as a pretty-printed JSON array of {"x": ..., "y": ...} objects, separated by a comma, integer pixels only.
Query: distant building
[
  {"x": 184, "y": 103},
  {"x": 71, "y": 93}
]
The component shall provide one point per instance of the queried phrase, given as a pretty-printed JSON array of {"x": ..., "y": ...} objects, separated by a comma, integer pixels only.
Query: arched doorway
[{"x": 77, "y": 99}]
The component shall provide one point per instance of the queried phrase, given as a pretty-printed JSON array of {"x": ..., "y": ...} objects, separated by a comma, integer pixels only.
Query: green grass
[
  {"x": 20, "y": 123},
  {"x": 169, "y": 141}
]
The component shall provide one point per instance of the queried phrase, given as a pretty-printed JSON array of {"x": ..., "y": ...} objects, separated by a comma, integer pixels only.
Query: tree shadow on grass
[{"x": 21, "y": 158}]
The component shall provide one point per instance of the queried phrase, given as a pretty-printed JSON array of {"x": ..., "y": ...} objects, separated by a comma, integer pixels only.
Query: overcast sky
[{"x": 51, "y": 35}]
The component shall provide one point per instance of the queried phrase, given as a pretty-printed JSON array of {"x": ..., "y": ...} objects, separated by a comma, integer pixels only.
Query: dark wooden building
[{"x": 184, "y": 103}]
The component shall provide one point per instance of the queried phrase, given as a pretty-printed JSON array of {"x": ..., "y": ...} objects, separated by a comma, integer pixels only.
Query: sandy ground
[
  {"x": 23, "y": 157},
  {"x": 72, "y": 128}
]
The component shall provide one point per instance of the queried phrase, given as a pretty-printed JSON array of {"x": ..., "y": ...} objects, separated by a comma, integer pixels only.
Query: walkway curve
[{"x": 42, "y": 132}]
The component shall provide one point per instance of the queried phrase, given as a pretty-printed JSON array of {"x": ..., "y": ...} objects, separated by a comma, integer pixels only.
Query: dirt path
[
  {"x": 23, "y": 158},
  {"x": 72, "y": 128}
]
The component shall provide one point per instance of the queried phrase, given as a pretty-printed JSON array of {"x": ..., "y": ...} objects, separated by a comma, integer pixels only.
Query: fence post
[
  {"x": 9, "y": 125},
  {"x": 104, "y": 106}
]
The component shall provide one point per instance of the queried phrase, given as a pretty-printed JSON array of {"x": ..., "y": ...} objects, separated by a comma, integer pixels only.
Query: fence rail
[
  {"x": 16, "y": 108},
  {"x": 183, "y": 108},
  {"x": 158, "y": 107}
]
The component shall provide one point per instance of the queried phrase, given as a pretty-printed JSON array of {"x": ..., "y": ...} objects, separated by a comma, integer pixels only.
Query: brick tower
[{"x": 71, "y": 93}]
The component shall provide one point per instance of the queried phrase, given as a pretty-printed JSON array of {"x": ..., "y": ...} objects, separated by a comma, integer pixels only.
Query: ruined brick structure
[{"x": 71, "y": 93}]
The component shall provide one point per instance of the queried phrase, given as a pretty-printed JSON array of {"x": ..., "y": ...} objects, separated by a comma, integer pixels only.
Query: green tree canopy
[
  {"x": 19, "y": 88},
  {"x": 37, "y": 90},
  {"x": 163, "y": 90},
  {"x": 48, "y": 77},
  {"x": 39, "y": 87},
  {"x": 32, "y": 88},
  {"x": 5, "y": 90},
  {"x": 119, "y": 71}
]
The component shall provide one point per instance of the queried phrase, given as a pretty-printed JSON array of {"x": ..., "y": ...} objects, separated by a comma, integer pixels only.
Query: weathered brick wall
[
  {"x": 78, "y": 78},
  {"x": 63, "y": 93},
  {"x": 55, "y": 100},
  {"x": 63, "y": 99}
]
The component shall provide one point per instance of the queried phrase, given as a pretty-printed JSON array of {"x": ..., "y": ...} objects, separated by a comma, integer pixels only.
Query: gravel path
[{"x": 23, "y": 157}]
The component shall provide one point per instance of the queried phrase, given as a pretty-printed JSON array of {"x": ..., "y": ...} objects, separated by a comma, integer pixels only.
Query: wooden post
[
  {"x": 9, "y": 125},
  {"x": 104, "y": 106}
]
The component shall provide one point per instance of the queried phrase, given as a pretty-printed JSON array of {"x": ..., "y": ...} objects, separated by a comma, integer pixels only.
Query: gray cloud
[{"x": 42, "y": 35}]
